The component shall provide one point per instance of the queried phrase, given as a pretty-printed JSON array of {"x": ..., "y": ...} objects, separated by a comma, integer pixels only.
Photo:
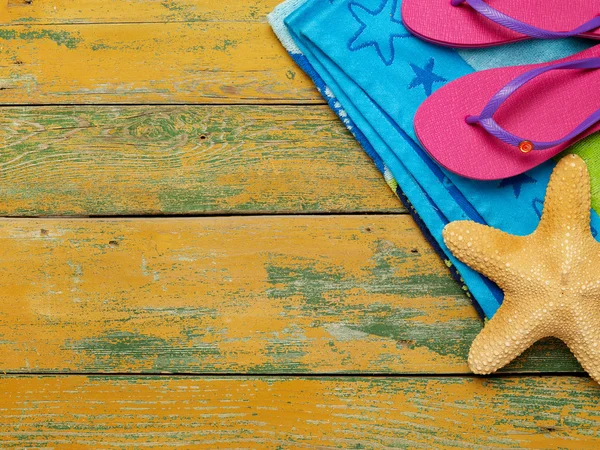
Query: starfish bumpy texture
[{"x": 550, "y": 279}]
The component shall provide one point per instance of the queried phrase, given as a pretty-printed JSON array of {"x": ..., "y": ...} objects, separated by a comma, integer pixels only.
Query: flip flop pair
[
  {"x": 502, "y": 122},
  {"x": 499, "y": 123}
]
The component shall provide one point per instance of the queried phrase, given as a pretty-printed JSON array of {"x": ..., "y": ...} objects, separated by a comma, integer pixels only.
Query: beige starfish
[{"x": 550, "y": 279}]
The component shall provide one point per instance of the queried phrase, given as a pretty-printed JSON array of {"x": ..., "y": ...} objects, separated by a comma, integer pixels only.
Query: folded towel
[{"x": 374, "y": 75}]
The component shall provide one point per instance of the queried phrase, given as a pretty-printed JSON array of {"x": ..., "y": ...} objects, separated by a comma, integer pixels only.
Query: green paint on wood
[
  {"x": 171, "y": 5},
  {"x": 388, "y": 260},
  {"x": 323, "y": 284},
  {"x": 59, "y": 37},
  {"x": 101, "y": 46},
  {"x": 25, "y": 20},
  {"x": 326, "y": 287},
  {"x": 209, "y": 159},
  {"x": 113, "y": 349},
  {"x": 124, "y": 349},
  {"x": 314, "y": 286},
  {"x": 227, "y": 43}
]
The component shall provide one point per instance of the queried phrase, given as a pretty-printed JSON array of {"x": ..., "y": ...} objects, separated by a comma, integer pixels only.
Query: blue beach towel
[{"x": 374, "y": 74}]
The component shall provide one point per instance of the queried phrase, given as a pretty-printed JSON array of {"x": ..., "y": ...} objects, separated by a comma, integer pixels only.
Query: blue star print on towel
[
  {"x": 517, "y": 183},
  {"x": 378, "y": 28},
  {"x": 425, "y": 77}
]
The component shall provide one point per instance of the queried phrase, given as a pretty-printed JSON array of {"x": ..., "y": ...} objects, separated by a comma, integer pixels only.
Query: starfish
[
  {"x": 425, "y": 77},
  {"x": 550, "y": 278},
  {"x": 378, "y": 28},
  {"x": 517, "y": 183}
]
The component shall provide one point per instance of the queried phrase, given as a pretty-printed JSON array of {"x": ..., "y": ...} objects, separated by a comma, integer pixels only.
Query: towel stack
[{"x": 374, "y": 74}]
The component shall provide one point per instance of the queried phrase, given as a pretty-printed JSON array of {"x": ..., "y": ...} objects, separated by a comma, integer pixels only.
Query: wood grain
[
  {"x": 333, "y": 294},
  {"x": 351, "y": 295},
  {"x": 294, "y": 413},
  {"x": 14, "y": 12},
  {"x": 183, "y": 160},
  {"x": 193, "y": 62}
]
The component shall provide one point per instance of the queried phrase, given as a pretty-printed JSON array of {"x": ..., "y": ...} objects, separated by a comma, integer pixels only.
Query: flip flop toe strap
[
  {"x": 486, "y": 121},
  {"x": 521, "y": 27}
]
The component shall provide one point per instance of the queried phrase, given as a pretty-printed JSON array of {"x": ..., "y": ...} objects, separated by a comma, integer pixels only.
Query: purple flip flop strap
[
  {"x": 485, "y": 119},
  {"x": 520, "y": 27}
]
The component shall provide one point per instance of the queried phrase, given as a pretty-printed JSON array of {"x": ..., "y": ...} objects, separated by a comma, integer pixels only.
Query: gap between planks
[
  {"x": 216, "y": 214},
  {"x": 340, "y": 375}
]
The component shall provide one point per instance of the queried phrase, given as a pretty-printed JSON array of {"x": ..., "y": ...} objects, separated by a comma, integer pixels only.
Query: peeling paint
[{"x": 59, "y": 37}]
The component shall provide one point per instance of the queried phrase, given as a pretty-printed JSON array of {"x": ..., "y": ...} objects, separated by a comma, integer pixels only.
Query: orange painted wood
[
  {"x": 329, "y": 294},
  {"x": 147, "y": 160},
  {"x": 174, "y": 62},
  {"x": 15, "y": 12},
  {"x": 295, "y": 413}
]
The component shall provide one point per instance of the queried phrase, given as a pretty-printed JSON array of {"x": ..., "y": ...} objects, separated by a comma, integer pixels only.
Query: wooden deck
[{"x": 195, "y": 254}]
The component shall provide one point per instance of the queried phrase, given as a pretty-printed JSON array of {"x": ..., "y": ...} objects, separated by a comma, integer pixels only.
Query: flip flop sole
[
  {"x": 545, "y": 109},
  {"x": 439, "y": 22}
]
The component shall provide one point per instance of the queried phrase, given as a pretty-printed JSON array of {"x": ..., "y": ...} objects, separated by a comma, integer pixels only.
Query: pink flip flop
[
  {"x": 479, "y": 23},
  {"x": 547, "y": 108}
]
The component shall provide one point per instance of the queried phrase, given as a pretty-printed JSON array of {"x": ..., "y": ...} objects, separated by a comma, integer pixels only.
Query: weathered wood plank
[
  {"x": 45, "y": 12},
  {"x": 228, "y": 62},
  {"x": 351, "y": 294},
  {"x": 183, "y": 160},
  {"x": 292, "y": 413}
]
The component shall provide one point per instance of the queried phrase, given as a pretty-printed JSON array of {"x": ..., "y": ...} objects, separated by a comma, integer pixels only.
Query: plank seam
[
  {"x": 289, "y": 103},
  {"x": 150, "y": 22},
  {"x": 350, "y": 375},
  {"x": 219, "y": 215}
]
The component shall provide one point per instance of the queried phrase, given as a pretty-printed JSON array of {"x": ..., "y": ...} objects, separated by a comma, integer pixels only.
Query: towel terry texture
[{"x": 374, "y": 74}]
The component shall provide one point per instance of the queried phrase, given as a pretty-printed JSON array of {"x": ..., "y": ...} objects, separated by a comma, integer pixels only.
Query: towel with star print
[{"x": 374, "y": 74}]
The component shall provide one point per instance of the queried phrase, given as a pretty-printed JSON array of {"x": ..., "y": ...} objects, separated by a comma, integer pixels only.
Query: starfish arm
[
  {"x": 487, "y": 250},
  {"x": 583, "y": 338},
  {"x": 505, "y": 336},
  {"x": 565, "y": 205}
]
